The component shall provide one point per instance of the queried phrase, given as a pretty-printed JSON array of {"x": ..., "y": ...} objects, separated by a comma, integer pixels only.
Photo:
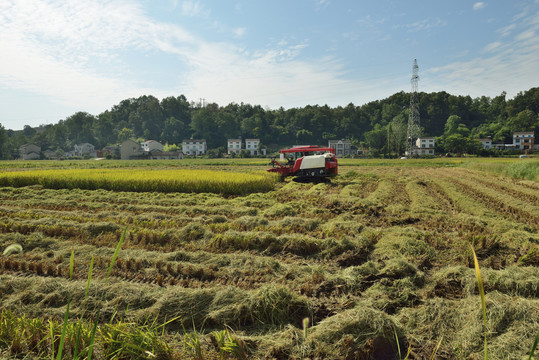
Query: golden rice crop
[{"x": 144, "y": 180}]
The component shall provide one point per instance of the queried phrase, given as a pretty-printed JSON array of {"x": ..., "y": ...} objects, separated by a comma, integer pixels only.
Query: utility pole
[{"x": 414, "y": 131}]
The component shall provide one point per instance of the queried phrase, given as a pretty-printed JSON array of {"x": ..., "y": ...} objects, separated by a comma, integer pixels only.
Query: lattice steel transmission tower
[{"x": 414, "y": 130}]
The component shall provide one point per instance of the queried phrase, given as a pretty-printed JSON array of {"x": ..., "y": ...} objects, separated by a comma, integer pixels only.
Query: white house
[
  {"x": 342, "y": 147},
  {"x": 253, "y": 146},
  {"x": 486, "y": 143},
  {"x": 151, "y": 145},
  {"x": 194, "y": 147},
  {"x": 234, "y": 146},
  {"x": 424, "y": 146},
  {"x": 85, "y": 149}
]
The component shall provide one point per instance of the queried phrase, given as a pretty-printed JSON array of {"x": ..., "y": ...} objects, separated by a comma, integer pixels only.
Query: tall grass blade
[
  {"x": 116, "y": 253},
  {"x": 436, "y": 348},
  {"x": 96, "y": 321},
  {"x": 51, "y": 333},
  {"x": 92, "y": 337},
  {"x": 482, "y": 293},
  {"x": 72, "y": 262},
  {"x": 535, "y": 343},
  {"x": 66, "y": 316},
  {"x": 89, "y": 279},
  {"x": 398, "y": 345}
]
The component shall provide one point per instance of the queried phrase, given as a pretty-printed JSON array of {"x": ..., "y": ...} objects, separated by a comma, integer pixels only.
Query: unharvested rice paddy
[{"x": 370, "y": 266}]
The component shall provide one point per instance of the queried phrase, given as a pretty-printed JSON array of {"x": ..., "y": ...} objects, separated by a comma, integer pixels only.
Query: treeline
[{"x": 379, "y": 126}]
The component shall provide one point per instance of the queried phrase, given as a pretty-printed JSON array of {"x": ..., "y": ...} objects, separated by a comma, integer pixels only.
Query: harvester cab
[{"x": 306, "y": 162}]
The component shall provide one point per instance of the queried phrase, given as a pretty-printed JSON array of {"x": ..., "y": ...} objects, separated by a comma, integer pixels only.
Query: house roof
[{"x": 524, "y": 133}]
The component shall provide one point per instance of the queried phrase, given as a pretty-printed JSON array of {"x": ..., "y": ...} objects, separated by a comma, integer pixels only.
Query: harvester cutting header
[{"x": 306, "y": 162}]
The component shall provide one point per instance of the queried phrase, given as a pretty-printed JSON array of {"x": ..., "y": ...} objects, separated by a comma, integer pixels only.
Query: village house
[
  {"x": 130, "y": 149},
  {"x": 234, "y": 146},
  {"x": 29, "y": 152},
  {"x": 524, "y": 140},
  {"x": 342, "y": 147},
  {"x": 49, "y": 154},
  {"x": 194, "y": 147},
  {"x": 423, "y": 146},
  {"x": 165, "y": 155},
  {"x": 151, "y": 145},
  {"x": 253, "y": 147},
  {"x": 486, "y": 143},
  {"x": 109, "y": 150},
  {"x": 85, "y": 149}
]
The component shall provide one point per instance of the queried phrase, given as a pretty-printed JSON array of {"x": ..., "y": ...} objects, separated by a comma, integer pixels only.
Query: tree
[
  {"x": 125, "y": 134},
  {"x": 173, "y": 131},
  {"x": 452, "y": 124},
  {"x": 79, "y": 128},
  {"x": 103, "y": 130},
  {"x": 459, "y": 144},
  {"x": 204, "y": 126},
  {"x": 524, "y": 121},
  {"x": 396, "y": 134},
  {"x": 376, "y": 139},
  {"x": 3, "y": 143}
]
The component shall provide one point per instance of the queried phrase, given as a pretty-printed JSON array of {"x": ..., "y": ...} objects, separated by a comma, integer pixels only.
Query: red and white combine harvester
[{"x": 306, "y": 163}]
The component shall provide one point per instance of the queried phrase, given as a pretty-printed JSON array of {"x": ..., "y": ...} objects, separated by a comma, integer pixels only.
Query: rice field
[
  {"x": 373, "y": 265},
  {"x": 146, "y": 180}
]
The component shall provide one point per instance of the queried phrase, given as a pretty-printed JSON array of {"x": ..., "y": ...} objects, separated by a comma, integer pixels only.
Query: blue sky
[{"x": 60, "y": 57}]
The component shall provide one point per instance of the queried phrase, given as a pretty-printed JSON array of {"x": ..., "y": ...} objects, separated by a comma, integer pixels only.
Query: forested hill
[{"x": 378, "y": 125}]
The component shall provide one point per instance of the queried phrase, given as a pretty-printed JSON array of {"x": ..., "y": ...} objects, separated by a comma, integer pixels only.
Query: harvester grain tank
[{"x": 306, "y": 162}]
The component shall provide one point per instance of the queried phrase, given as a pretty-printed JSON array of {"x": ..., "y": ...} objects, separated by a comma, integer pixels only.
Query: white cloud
[
  {"x": 493, "y": 46},
  {"x": 478, "y": 5},
  {"x": 425, "y": 25},
  {"x": 510, "y": 64},
  {"x": 193, "y": 8},
  {"x": 74, "y": 53},
  {"x": 239, "y": 32}
]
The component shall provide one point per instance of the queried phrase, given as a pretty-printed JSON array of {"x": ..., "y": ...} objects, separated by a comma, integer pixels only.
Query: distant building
[
  {"x": 165, "y": 155},
  {"x": 524, "y": 140},
  {"x": 194, "y": 147},
  {"x": 234, "y": 146},
  {"x": 342, "y": 147},
  {"x": 486, "y": 143},
  {"x": 253, "y": 147},
  {"x": 130, "y": 149},
  {"x": 85, "y": 149},
  {"x": 49, "y": 154},
  {"x": 29, "y": 152},
  {"x": 151, "y": 145},
  {"x": 108, "y": 150},
  {"x": 425, "y": 145}
]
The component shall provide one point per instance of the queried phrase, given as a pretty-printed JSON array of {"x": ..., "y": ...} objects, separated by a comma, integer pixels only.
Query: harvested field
[{"x": 378, "y": 261}]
